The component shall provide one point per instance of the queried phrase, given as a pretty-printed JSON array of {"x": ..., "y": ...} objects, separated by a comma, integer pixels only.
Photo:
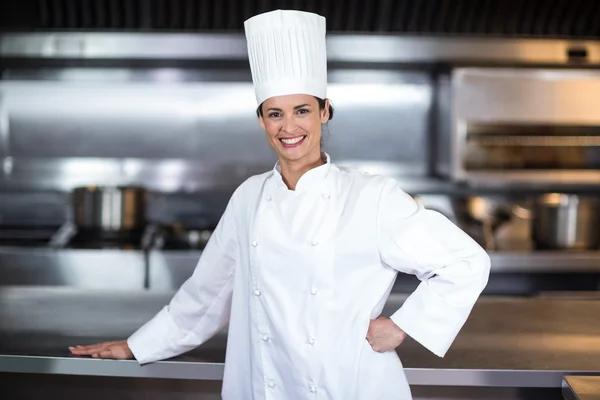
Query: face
[{"x": 293, "y": 126}]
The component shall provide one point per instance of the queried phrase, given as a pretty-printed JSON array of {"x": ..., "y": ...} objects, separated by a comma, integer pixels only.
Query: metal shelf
[
  {"x": 546, "y": 262},
  {"x": 370, "y": 48}
]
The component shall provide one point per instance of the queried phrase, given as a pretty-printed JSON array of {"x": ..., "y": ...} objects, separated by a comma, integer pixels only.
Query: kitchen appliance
[
  {"x": 522, "y": 126},
  {"x": 109, "y": 209},
  {"x": 566, "y": 222}
]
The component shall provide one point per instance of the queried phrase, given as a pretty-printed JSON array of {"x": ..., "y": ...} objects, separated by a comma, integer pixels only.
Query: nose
[{"x": 289, "y": 124}]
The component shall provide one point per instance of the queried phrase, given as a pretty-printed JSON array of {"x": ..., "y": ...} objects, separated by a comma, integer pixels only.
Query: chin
[{"x": 292, "y": 155}]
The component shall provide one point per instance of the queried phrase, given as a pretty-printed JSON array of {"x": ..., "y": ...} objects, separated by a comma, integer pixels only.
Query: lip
[{"x": 289, "y": 146}]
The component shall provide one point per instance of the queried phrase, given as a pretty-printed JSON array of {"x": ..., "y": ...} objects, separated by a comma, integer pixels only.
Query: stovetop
[
  {"x": 26, "y": 236},
  {"x": 67, "y": 236},
  {"x": 127, "y": 240}
]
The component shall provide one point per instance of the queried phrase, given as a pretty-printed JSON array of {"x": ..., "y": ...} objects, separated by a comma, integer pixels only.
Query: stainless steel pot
[
  {"x": 566, "y": 222},
  {"x": 109, "y": 208}
]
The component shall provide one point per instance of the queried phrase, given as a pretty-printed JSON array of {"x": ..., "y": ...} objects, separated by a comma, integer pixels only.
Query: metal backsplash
[{"x": 173, "y": 132}]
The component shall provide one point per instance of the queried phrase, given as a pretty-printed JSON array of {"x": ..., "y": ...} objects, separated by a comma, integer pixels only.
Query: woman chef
[{"x": 305, "y": 255}]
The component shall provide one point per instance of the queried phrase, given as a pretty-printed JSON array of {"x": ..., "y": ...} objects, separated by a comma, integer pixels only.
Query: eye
[
  {"x": 303, "y": 111},
  {"x": 274, "y": 114}
]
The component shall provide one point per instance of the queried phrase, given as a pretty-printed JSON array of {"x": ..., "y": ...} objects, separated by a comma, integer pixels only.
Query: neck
[{"x": 292, "y": 171}]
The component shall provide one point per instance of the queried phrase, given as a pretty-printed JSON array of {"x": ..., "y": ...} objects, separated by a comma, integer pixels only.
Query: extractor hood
[{"x": 499, "y": 18}]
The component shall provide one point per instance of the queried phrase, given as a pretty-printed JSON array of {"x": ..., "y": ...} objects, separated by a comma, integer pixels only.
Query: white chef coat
[{"x": 299, "y": 274}]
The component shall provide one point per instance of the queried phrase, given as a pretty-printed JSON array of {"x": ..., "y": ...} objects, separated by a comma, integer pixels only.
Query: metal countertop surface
[
  {"x": 526, "y": 342},
  {"x": 581, "y": 387}
]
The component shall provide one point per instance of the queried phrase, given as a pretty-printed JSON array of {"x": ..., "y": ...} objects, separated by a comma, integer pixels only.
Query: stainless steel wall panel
[
  {"x": 171, "y": 134},
  {"x": 132, "y": 120}
]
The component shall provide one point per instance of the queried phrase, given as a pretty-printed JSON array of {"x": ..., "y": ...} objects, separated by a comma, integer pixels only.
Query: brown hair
[{"x": 259, "y": 111}]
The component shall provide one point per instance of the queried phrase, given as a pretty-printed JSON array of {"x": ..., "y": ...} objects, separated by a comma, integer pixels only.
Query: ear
[
  {"x": 261, "y": 121},
  {"x": 325, "y": 112}
]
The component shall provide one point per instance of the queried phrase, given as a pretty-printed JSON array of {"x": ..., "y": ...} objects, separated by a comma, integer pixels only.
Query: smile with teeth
[{"x": 292, "y": 141}]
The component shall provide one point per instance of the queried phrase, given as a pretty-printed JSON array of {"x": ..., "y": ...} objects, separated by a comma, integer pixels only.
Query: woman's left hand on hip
[{"x": 384, "y": 335}]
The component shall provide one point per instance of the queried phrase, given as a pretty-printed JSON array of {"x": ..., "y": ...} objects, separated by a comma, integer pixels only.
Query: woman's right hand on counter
[{"x": 118, "y": 350}]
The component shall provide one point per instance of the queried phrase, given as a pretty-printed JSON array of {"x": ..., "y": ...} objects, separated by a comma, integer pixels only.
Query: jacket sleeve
[
  {"x": 452, "y": 267},
  {"x": 201, "y": 307}
]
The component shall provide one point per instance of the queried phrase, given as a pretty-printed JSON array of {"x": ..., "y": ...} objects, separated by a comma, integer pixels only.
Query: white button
[
  {"x": 313, "y": 389},
  {"x": 272, "y": 385},
  {"x": 254, "y": 243},
  {"x": 314, "y": 243},
  {"x": 257, "y": 292},
  {"x": 266, "y": 338},
  {"x": 314, "y": 292},
  {"x": 325, "y": 195},
  {"x": 269, "y": 198},
  {"x": 311, "y": 341}
]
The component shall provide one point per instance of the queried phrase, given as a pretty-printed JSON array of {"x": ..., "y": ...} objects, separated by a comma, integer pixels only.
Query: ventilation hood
[{"x": 574, "y": 19}]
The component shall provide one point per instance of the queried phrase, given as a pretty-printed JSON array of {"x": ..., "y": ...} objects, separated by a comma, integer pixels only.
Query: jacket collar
[{"x": 311, "y": 178}]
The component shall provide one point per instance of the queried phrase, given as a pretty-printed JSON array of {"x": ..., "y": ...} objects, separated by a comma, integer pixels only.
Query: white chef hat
[{"x": 287, "y": 54}]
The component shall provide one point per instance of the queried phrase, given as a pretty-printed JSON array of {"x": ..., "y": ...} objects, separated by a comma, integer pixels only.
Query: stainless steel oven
[{"x": 524, "y": 126}]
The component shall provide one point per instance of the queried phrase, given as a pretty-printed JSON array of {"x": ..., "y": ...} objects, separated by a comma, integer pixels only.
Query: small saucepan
[{"x": 566, "y": 222}]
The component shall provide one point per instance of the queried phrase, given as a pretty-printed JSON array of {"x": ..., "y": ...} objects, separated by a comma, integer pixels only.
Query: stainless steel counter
[
  {"x": 507, "y": 342},
  {"x": 581, "y": 387}
]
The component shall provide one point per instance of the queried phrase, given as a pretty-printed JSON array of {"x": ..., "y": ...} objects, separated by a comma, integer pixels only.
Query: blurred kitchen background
[{"x": 126, "y": 125}]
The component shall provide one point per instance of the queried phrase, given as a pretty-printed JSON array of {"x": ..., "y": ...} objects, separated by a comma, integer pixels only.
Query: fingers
[
  {"x": 90, "y": 349},
  {"x": 91, "y": 346},
  {"x": 373, "y": 343},
  {"x": 95, "y": 352},
  {"x": 80, "y": 350},
  {"x": 377, "y": 344},
  {"x": 378, "y": 348},
  {"x": 104, "y": 354}
]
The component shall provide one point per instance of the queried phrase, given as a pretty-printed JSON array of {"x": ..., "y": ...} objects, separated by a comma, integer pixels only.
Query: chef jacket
[{"x": 298, "y": 275}]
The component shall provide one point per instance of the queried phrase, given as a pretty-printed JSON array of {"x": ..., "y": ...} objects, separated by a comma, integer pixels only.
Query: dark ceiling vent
[{"x": 499, "y": 18}]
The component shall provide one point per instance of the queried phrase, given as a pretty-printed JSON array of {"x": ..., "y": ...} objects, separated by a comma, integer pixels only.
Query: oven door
[
  {"x": 531, "y": 154},
  {"x": 525, "y": 126}
]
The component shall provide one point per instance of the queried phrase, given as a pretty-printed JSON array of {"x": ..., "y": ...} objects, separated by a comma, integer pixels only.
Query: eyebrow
[{"x": 295, "y": 108}]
